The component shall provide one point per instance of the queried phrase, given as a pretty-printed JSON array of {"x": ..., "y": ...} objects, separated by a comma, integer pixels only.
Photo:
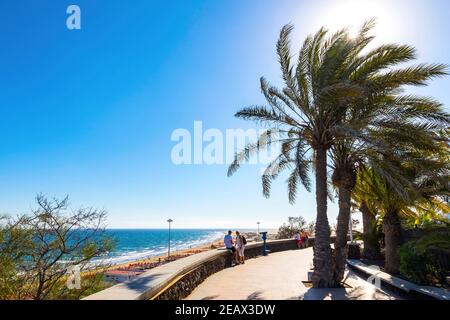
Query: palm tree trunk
[
  {"x": 323, "y": 268},
  {"x": 392, "y": 239},
  {"x": 340, "y": 246},
  {"x": 371, "y": 250}
]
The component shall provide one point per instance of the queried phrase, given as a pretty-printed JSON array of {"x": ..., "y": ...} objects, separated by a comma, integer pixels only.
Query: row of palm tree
[
  {"x": 342, "y": 107},
  {"x": 428, "y": 181}
]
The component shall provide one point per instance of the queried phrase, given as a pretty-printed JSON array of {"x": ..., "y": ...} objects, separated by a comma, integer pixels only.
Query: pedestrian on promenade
[{"x": 240, "y": 246}]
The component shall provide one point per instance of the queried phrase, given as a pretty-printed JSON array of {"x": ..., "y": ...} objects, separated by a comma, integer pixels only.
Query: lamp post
[
  {"x": 257, "y": 235},
  {"x": 169, "y": 221}
]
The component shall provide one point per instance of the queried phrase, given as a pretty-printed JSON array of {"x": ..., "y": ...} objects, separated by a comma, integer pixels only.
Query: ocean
[{"x": 135, "y": 244}]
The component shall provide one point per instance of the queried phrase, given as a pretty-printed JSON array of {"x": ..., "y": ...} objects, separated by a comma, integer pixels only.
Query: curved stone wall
[
  {"x": 177, "y": 279},
  {"x": 185, "y": 284}
]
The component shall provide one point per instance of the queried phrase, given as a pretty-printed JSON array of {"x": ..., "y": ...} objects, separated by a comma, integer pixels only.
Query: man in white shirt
[{"x": 228, "y": 241}]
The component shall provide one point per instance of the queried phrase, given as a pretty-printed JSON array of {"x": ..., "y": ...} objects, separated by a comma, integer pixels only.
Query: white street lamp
[
  {"x": 257, "y": 236},
  {"x": 169, "y": 221}
]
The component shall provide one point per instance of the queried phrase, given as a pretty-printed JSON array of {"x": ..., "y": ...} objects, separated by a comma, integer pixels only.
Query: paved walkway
[{"x": 279, "y": 276}]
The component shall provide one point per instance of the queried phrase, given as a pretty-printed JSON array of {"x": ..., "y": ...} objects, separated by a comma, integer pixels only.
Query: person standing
[
  {"x": 304, "y": 237},
  {"x": 298, "y": 239},
  {"x": 240, "y": 246},
  {"x": 228, "y": 242}
]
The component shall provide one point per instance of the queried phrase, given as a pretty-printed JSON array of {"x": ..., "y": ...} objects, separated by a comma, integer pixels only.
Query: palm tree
[
  {"x": 363, "y": 200},
  {"x": 352, "y": 154},
  {"x": 305, "y": 115},
  {"x": 382, "y": 150},
  {"x": 426, "y": 178},
  {"x": 336, "y": 99},
  {"x": 366, "y": 197},
  {"x": 404, "y": 118}
]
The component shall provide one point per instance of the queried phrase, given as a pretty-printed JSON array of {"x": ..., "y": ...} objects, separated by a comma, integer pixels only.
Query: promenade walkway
[{"x": 279, "y": 276}]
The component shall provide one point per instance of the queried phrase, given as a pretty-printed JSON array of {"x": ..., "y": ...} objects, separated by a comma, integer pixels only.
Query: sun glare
[{"x": 352, "y": 14}]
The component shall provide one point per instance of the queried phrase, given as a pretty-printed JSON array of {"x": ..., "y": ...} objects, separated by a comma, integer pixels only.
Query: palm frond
[
  {"x": 380, "y": 58},
  {"x": 265, "y": 140},
  {"x": 284, "y": 56},
  {"x": 414, "y": 75},
  {"x": 261, "y": 114}
]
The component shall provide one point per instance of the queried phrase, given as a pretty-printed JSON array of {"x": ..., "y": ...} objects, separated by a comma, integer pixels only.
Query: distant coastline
[{"x": 143, "y": 244}]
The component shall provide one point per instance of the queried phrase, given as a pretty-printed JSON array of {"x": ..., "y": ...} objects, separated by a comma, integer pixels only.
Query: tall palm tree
[
  {"x": 380, "y": 148},
  {"x": 304, "y": 115},
  {"x": 404, "y": 118},
  {"x": 335, "y": 99}
]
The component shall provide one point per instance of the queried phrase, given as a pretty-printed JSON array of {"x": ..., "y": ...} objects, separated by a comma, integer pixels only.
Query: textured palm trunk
[
  {"x": 340, "y": 246},
  {"x": 323, "y": 268},
  {"x": 371, "y": 249},
  {"x": 392, "y": 239}
]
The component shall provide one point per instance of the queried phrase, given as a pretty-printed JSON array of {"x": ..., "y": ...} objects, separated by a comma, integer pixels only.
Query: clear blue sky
[{"x": 90, "y": 112}]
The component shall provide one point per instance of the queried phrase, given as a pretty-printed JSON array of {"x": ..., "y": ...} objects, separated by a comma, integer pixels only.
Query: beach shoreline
[
  {"x": 134, "y": 268},
  {"x": 173, "y": 256}
]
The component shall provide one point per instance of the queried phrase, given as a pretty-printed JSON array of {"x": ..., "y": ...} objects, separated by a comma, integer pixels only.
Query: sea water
[{"x": 136, "y": 244}]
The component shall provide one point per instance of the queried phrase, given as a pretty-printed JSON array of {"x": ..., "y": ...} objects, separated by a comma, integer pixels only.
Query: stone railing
[{"x": 177, "y": 279}]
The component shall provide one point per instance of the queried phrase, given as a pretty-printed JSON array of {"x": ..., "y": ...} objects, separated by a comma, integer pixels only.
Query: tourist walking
[{"x": 240, "y": 246}]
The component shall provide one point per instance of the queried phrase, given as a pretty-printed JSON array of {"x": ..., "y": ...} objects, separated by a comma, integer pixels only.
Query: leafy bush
[
  {"x": 294, "y": 225},
  {"x": 374, "y": 234},
  {"x": 426, "y": 261},
  {"x": 37, "y": 250},
  {"x": 311, "y": 228},
  {"x": 286, "y": 232},
  {"x": 416, "y": 265}
]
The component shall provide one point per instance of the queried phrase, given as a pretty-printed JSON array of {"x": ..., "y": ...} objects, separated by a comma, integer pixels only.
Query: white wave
[{"x": 130, "y": 256}]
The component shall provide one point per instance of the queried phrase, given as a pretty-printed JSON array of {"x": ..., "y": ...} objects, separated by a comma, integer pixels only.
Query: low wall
[
  {"x": 184, "y": 285},
  {"x": 181, "y": 287},
  {"x": 416, "y": 234},
  {"x": 177, "y": 279}
]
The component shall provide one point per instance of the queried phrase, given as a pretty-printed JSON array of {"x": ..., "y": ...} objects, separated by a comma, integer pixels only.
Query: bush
[
  {"x": 426, "y": 261},
  {"x": 37, "y": 250},
  {"x": 286, "y": 232},
  {"x": 295, "y": 224},
  {"x": 416, "y": 265}
]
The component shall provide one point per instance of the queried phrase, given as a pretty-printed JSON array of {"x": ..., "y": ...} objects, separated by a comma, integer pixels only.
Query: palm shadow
[
  {"x": 142, "y": 281},
  {"x": 210, "y": 297},
  {"x": 331, "y": 294},
  {"x": 257, "y": 295}
]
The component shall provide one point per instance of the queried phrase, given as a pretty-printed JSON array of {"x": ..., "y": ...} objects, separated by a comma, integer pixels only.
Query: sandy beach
[
  {"x": 151, "y": 262},
  {"x": 132, "y": 269}
]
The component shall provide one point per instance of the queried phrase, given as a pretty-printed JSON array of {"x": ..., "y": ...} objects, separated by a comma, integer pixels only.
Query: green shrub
[
  {"x": 426, "y": 261},
  {"x": 294, "y": 225},
  {"x": 416, "y": 265}
]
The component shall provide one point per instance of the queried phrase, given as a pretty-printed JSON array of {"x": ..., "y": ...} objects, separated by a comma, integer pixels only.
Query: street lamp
[
  {"x": 169, "y": 221},
  {"x": 257, "y": 235}
]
